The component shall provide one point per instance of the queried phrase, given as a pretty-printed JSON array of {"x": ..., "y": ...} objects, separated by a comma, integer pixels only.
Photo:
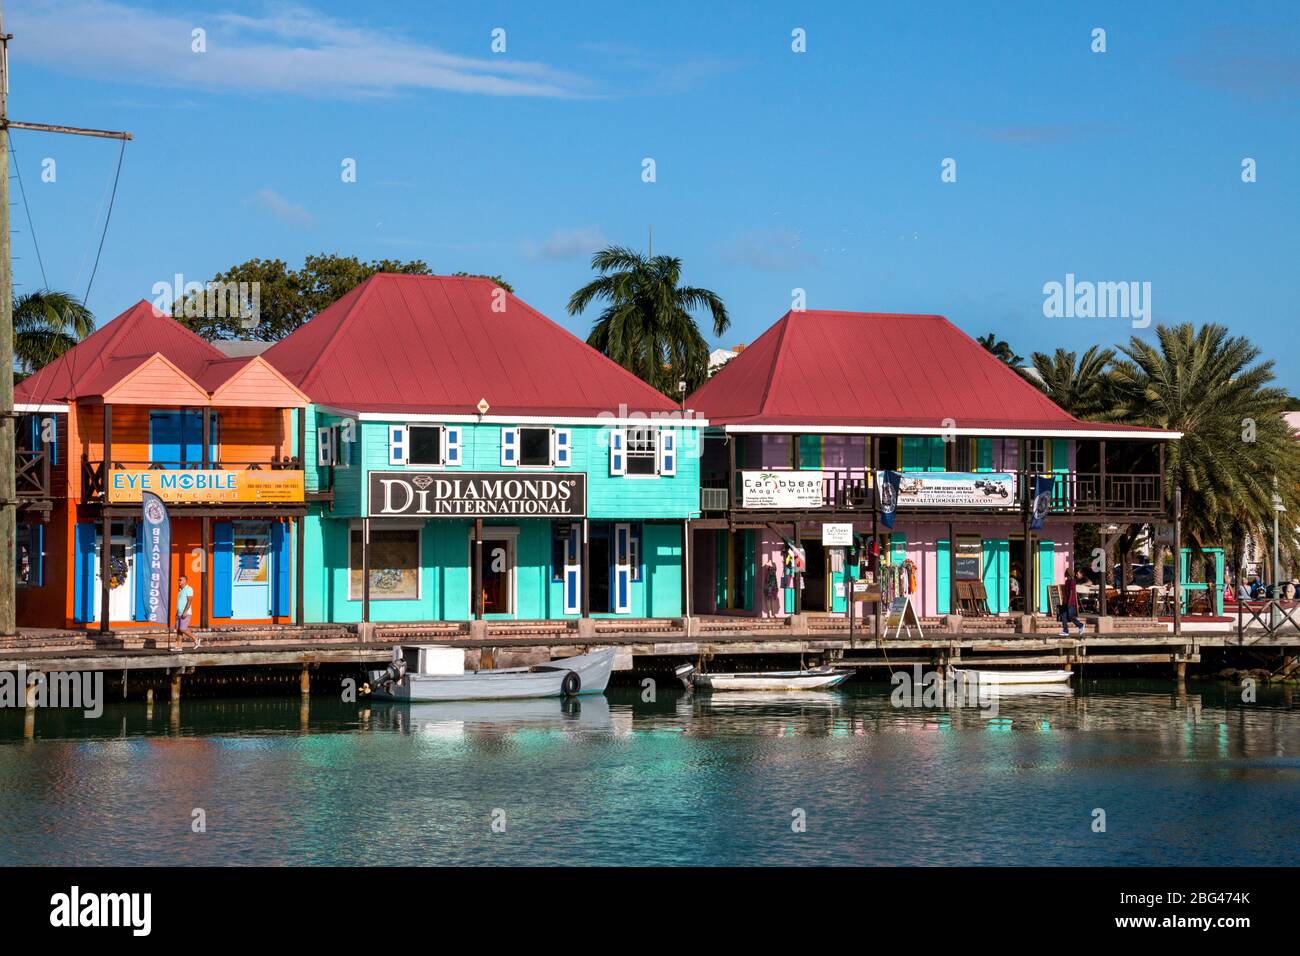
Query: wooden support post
[
  {"x": 106, "y": 543},
  {"x": 487, "y": 658},
  {"x": 586, "y": 568},
  {"x": 1180, "y": 671},
  {"x": 175, "y": 686},
  {"x": 205, "y": 586},
  {"x": 1178, "y": 561},
  {"x": 207, "y": 437},
  {"x": 1105, "y": 569},
  {"x": 304, "y": 682},
  {"x": 1101, "y": 489},
  {"x": 148, "y": 696},
  {"x": 365, "y": 570},
  {"x": 476, "y": 573}
]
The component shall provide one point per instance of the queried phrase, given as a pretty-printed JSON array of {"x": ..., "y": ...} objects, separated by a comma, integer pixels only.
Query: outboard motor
[{"x": 392, "y": 674}]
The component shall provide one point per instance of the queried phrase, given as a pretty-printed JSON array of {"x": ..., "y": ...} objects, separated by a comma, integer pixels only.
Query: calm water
[{"x": 1184, "y": 777}]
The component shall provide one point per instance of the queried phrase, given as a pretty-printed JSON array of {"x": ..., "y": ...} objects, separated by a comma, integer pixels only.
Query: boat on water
[
  {"x": 431, "y": 673},
  {"x": 1013, "y": 678},
  {"x": 821, "y": 678}
]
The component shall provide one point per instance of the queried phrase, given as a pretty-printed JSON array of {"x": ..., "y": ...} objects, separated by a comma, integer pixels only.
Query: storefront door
[
  {"x": 121, "y": 576},
  {"x": 497, "y": 573},
  {"x": 251, "y": 577}
]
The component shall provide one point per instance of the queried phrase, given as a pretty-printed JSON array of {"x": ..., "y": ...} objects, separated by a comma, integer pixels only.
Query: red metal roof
[
  {"x": 435, "y": 345},
  {"x": 866, "y": 369},
  {"x": 104, "y": 357}
]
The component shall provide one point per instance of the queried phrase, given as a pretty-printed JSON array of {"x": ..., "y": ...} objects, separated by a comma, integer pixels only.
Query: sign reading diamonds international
[
  {"x": 205, "y": 486},
  {"x": 437, "y": 494}
]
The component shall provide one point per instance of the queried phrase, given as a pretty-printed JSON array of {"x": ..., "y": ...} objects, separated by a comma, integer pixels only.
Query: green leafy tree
[
  {"x": 289, "y": 297},
  {"x": 47, "y": 324},
  {"x": 1081, "y": 386},
  {"x": 1000, "y": 350},
  {"x": 1236, "y": 448},
  {"x": 647, "y": 324}
]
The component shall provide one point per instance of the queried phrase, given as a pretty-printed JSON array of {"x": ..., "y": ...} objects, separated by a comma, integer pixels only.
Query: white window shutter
[
  {"x": 573, "y": 570},
  {"x": 561, "y": 447},
  {"x": 324, "y": 446},
  {"x": 398, "y": 443},
  {"x": 621, "y": 561},
  {"x": 510, "y": 447},
  {"x": 618, "y": 451},
  {"x": 667, "y": 451},
  {"x": 451, "y": 445}
]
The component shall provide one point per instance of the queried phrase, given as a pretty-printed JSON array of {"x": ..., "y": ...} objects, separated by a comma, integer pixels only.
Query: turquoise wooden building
[{"x": 475, "y": 460}]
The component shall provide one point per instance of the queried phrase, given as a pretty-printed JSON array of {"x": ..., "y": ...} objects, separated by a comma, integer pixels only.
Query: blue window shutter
[
  {"x": 223, "y": 555},
  {"x": 141, "y": 579},
  {"x": 621, "y": 569},
  {"x": 617, "y": 451},
  {"x": 510, "y": 447},
  {"x": 943, "y": 565},
  {"x": 573, "y": 570},
  {"x": 38, "y": 554},
  {"x": 563, "y": 447},
  {"x": 451, "y": 435},
  {"x": 83, "y": 579},
  {"x": 667, "y": 452},
  {"x": 280, "y": 539},
  {"x": 397, "y": 445}
]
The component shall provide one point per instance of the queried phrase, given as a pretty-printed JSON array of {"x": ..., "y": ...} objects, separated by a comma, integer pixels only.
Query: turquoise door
[{"x": 251, "y": 571}]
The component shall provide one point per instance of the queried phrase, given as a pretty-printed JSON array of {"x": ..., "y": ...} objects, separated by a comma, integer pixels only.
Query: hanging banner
[
  {"x": 887, "y": 491},
  {"x": 1041, "y": 503},
  {"x": 156, "y": 559},
  {"x": 954, "y": 489},
  {"x": 781, "y": 489}
]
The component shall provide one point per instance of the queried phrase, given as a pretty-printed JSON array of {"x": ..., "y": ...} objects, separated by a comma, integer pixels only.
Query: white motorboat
[
  {"x": 1007, "y": 678},
  {"x": 593, "y": 669},
  {"x": 430, "y": 673},
  {"x": 821, "y": 678}
]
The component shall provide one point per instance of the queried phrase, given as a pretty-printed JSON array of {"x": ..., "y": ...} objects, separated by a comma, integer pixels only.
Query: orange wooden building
[{"x": 144, "y": 403}]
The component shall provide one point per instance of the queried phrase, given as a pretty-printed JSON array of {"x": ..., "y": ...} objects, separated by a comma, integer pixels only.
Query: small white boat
[
  {"x": 431, "y": 673},
  {"x": 822, "y": 678},
  {"x": 1012, "y": 677},
  {"x": 593, "y": 669}
]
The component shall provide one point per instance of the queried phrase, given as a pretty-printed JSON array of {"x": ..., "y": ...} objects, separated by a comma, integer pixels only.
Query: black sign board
[{"x": 449, "y": 494}]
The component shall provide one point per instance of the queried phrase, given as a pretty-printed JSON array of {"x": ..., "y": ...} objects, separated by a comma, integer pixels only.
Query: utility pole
[{"x": 8, "y": 418}]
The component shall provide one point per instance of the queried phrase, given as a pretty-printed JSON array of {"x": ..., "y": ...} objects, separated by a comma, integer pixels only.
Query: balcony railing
[
  {"x": 32, "y": 473},
  {"x": 1088, "y": 494},
  {"x": 92, "y": 472}
]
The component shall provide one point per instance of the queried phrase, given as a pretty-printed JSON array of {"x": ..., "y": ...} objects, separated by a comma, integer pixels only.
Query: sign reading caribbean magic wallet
[{"x": 438, "y": 494}]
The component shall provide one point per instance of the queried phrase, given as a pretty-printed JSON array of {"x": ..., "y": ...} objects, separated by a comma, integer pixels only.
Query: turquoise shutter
[
  {"x": 897, "y": 547},
  {"x": 83, "y": 580},
  {"x": 997, "y": 565},
  {"x": 721, "y": 545},
  {"x": 280, "y": 540},
  {"x": 1046, "y": 571},
  {"x": 141, "y": 578},
  {"x": 1061, "y": 468},
  {"x": 223, "y": 555},
  {"x": 911, "y": 453},
  {"x": 984, "y": 454},
  {"x": 943, "y": 565},
  {"x": 747, "y": 571}
]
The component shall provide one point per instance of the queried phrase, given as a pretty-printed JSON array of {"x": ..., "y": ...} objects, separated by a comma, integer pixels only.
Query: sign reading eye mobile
[
  {"x": 436, "y": 494},
  {"x": 205, "y": 486}
]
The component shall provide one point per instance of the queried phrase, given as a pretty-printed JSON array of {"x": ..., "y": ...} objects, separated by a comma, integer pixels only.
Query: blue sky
[{"x": 775, "y": 170}]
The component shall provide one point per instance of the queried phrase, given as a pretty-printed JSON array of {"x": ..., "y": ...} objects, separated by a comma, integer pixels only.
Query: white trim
[
  {"x": 670, "y": 419},
  {"x": 355, "y": 524},
  {"x": 940, "y": 431},
  {"x": 29, "y": 409}
]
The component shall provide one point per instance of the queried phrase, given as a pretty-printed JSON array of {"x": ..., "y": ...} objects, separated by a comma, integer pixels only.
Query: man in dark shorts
[{"x": 1069, "y": 604}]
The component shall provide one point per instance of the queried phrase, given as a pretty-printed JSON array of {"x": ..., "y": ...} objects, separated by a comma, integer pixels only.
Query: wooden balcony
[
  {"x": 32, "y": 474},
  {"x": 1091, "y": 496}
]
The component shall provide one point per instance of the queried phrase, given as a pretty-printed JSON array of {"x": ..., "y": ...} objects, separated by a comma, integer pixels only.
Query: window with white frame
[
  {"x": 332, "y": 446},
  {"x": 536, "y": 447},
  {"x": 643, "y": 451},
  {"x": 430, "y": 446},
  {"x": 424, "y": 445},
  {"x": 1036, "y": 453}
]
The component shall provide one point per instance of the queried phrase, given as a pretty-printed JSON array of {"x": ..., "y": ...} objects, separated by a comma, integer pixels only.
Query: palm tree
[
  {"x": 1236, "y": 447},
  {"x": 1081, "y": 386},
  {"x": 47, "y": 324},
  {"x": 647, "y": 325},
  {"x": 1000, "y": 349}
]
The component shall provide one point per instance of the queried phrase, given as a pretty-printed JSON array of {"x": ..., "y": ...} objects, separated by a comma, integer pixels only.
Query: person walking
[
  {"x": 1070, "y": 603},
  {"x": 184, "y": 608}
]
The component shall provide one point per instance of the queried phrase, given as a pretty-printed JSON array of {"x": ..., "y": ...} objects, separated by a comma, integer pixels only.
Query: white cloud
[
  {"x": 567, "y": 244},
  {"x": 292, "y": 49},
  {"x": 268, "y": 200}
]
